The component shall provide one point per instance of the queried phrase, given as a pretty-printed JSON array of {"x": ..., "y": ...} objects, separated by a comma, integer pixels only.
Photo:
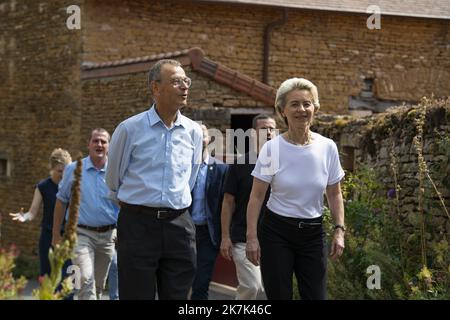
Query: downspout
[{"x": 267, "y": 30}]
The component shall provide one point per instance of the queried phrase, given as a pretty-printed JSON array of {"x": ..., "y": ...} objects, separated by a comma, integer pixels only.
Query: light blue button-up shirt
[
  {"x": 199, "y": 203},
  {"x": 96, "y": 209},
  {"x": 152, "y": 165}
]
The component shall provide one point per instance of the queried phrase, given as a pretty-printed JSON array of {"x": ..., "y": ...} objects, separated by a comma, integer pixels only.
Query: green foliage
[
  {"x": 376, "y": 236},
  {"x": 10, "y": 287},
  {"x": 27, "y": 266},
  {"x": 49, "y": 283}
]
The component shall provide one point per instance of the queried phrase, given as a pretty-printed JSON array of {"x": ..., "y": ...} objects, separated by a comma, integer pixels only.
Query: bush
[
  {"x": 27, "y": 266},
  {"x": 10, "y": 287},
  {"x": 376, "y": 236}
]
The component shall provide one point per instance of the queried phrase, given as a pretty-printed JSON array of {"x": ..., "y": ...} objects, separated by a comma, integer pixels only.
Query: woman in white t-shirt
[{"x": 300, "y": 166}]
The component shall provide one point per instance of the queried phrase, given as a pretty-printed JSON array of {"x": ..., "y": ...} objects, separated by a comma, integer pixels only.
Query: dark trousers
[
  {"x": 287, "y": 248},
  {"x": 155, "y": 254},
  {"x": 45, "y": 242},
  {"x": 206, "y": 259}
]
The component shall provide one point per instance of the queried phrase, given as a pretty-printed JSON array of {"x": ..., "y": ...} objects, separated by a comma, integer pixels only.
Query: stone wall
[{"x": 370, "y": 142}]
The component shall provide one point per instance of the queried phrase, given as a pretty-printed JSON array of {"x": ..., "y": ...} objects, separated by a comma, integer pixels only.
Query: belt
[
  {"x": 299, "y": 222},
  {"x": 160, "y": 213},
  {"x": 98, "y": 229}
]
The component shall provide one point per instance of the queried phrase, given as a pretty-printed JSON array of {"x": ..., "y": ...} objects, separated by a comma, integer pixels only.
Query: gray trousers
[{"x": 93, "y": 254}]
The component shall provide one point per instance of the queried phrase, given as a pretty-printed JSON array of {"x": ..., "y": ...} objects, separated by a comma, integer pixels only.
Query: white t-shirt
[{"x": 298, "y": 175}]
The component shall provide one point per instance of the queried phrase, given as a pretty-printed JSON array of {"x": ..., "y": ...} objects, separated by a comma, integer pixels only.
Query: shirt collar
[
  {"x": 90, "y": 165},
  {"x": 154, "y": 118}
]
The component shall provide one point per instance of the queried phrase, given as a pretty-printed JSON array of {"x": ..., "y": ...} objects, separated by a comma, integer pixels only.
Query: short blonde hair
[
  {"x": 295, "y": 84},
  {"x": 59, "y": 156}
]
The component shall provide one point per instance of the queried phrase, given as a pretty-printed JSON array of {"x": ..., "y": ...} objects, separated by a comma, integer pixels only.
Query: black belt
[
  {"x": 299, "y": 222},
  {"x": 98, "y": 229},
  {"x": 161, "y": 213}
]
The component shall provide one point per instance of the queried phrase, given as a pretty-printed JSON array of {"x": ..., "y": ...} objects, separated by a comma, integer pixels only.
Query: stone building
[{"x": 57, "y": 83}]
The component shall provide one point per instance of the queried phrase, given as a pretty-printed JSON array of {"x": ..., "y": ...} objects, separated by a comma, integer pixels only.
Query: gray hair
[
  {"x": 295, "y": 84},
  {"x": 155, "y": 71}
]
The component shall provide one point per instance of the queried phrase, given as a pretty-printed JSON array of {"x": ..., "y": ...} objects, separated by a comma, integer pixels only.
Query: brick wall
[
  {"x": 39, "y": 103},
  {"x": 408, "y": 58}
]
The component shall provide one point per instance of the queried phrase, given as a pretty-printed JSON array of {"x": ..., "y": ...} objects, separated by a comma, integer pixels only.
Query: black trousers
[
  {"x": 155, "y": 254},
  {"x": 206, "y": 259},
  {"x": 287, "y": 248}
]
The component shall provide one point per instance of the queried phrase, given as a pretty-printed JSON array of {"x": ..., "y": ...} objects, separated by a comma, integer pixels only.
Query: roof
[
  {"x": 193, "y": 57},
  {"x": 439, "y": 9}
]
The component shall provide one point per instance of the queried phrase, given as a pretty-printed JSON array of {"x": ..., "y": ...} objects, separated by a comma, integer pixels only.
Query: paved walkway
[{"x": 216, "y": 291}]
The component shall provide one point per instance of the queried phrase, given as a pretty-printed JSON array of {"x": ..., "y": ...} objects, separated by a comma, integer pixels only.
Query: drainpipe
[{"x": 267, "y": 30}]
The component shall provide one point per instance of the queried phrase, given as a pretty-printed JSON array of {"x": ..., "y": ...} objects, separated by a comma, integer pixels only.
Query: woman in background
[{"x": 45, "y": 193}]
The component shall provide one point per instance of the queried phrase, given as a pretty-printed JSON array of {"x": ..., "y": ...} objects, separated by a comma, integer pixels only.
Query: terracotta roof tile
[
  {"x": 170, "y": 55},
  {"x": 194, "y": 57}
]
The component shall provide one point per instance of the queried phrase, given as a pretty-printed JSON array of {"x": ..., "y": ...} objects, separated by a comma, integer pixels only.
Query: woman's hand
[
  {"x": 337, "y": 245},
  {"x": 20, "y": 216},
  {"x": 253, "y": 251}
]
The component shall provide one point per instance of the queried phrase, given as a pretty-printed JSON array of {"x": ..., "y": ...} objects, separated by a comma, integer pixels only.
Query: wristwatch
[{"x": 339, "y": 226}]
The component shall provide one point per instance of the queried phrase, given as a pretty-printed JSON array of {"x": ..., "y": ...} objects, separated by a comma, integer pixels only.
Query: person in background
[
  {"x": 205, "y": 210},
  {"x": 45, "y": 193},
  {"x": 238, "y": 185},
  {"x": 113, "y": 279},
  {"x": 97, "y": 217}
]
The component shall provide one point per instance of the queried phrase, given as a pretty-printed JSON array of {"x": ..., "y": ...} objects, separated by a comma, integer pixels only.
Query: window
[{"x": 5, "y": 170}]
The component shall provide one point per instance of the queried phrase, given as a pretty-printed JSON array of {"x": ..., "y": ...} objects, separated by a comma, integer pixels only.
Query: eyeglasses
[{"x": 178, "y": 81}]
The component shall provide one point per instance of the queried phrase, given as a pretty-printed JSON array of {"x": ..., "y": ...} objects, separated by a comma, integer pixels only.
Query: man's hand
[
  {"x": 226, "y": 248},
  {"x": 253, "y": 251},
  {"x": 337, "y": 245},
  {"x": 20, "y": 216}
]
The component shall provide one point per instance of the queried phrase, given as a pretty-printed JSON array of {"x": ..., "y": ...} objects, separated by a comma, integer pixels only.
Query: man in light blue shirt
[
  {"x": 97, "y": 217},
  {"x": 154, "y": 160}
]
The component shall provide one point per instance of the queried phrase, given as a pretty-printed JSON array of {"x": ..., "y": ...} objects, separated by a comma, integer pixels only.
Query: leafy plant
[{"x": 10, "y": 287}]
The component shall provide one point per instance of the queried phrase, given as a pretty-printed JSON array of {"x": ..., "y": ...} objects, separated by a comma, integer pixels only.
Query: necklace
[{"x": 308, "y": 139}]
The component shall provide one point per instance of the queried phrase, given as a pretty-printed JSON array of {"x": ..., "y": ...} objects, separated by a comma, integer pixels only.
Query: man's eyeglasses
[{"x": 178, "y": 81}]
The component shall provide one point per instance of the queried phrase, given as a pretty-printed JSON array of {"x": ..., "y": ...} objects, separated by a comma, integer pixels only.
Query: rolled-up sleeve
[
  {"x": 335, "y": 171},
  {"x": 65, "y": 185},
  {"x": 118, "y": 160},
  {"x": 266, "y": 165}
]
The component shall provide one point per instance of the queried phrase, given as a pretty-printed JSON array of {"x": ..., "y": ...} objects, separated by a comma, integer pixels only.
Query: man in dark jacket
[{"x": 206, "y": 206}]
